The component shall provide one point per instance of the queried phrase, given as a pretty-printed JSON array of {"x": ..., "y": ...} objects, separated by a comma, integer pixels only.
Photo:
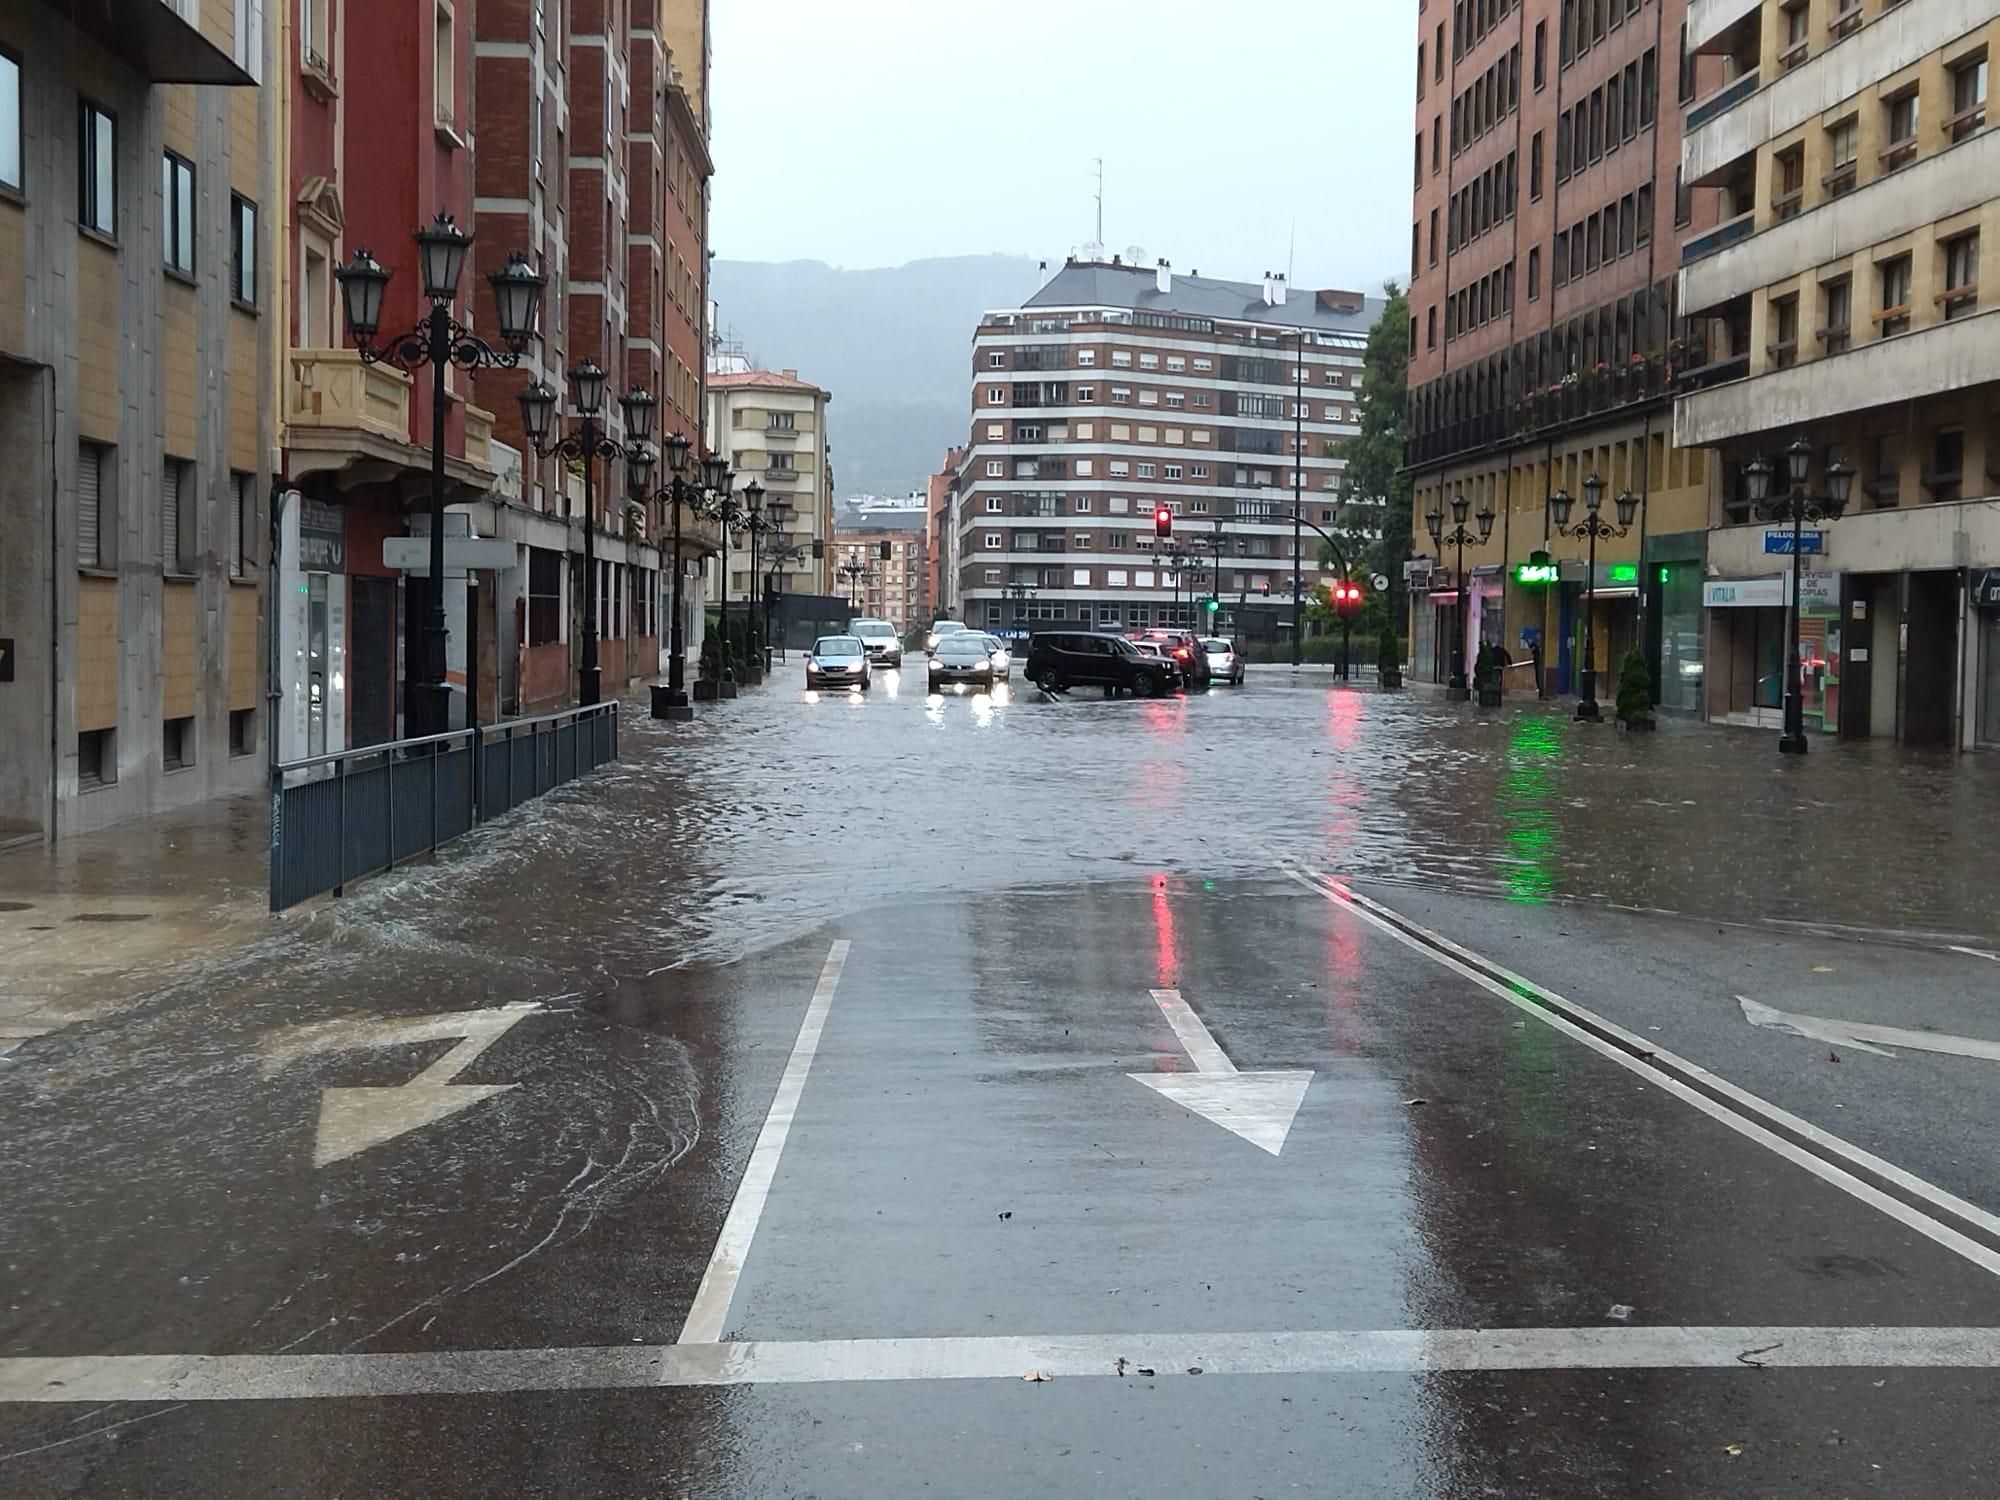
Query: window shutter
[
  {"x": 239, "y": 505},
  {"x": 89, "y": 465},
  {"x": 170, "y": 517}
]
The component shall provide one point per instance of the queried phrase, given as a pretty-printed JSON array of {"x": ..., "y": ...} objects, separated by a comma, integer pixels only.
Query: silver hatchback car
[{"x": 1224, "y": 665}]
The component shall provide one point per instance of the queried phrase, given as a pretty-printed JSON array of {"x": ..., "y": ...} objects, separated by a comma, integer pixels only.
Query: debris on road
[
  {"x": 1036, "y": 1377},
  {"x": 1413, "y": 1103},
  {"x": 1121, "y": 1367}
]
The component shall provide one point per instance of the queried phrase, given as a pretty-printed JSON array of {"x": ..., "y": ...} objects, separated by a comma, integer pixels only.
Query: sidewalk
[{"x": 95, "y": 922}]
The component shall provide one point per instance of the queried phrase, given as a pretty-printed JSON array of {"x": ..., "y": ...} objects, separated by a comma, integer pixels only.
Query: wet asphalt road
[{"x": 970, "y": 1167}]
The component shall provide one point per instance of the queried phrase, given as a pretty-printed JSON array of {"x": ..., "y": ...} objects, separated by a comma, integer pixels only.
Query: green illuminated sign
[
  {"x": 1624, "y": 573},
  {"x": 1533, "y": 575}
]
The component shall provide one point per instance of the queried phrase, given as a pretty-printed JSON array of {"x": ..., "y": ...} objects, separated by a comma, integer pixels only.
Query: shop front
[
  {"x": 1747, "y": 649},
  {"x": 1983, "y": 594},
  {"x": 1672, "y": 573}
]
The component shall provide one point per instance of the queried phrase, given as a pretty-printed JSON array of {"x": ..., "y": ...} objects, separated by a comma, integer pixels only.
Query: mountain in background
[{"x": 893, "y": 346}]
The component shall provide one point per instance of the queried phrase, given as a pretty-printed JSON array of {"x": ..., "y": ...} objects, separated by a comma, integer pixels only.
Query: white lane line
[
  {"x": 706, "y": 1319},
  {"x": 1975, "y": 952},
  {"x": 1201, "y": 1048},
  {"x": 1865, "y": 1034},
  {"x": 300, "y": 1377},
  {"x": 1537, "y": 1001}
]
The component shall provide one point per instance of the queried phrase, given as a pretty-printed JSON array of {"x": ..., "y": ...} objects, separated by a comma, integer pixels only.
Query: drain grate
[{"x": 111, "y": 916}]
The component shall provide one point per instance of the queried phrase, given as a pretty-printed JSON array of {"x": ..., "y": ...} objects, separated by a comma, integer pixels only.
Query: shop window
[{"x": 1946, "y": 473}]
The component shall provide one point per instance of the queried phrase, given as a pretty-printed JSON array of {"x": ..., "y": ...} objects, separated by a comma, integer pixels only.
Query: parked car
[
  {"x": 884, "y": 646},
  {"x": 939, "y": 630},
  {"x": 965, "y": 657},
  {"x": 837, "y": 661},
  {"x": 1186, "y": 649},
  {"x": 1223, "y": 661},
  {"x": 1059, "y": 659}
]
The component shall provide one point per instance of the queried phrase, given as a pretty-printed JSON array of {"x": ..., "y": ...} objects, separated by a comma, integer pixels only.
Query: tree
[{"x": 1375, "y": 455}]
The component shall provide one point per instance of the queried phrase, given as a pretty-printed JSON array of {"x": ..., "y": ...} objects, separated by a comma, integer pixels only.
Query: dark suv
[
  {"x": 1059, "y": 659},
  {"x": 1185, "y": 647}
]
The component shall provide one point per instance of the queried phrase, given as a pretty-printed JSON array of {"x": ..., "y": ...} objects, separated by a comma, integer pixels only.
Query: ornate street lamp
[
  {"x": 1797, "y": 505},
  {"x": 1460, "y": 538},
  {"x": 440, "y": 341},
  {"x": 682, "y": 493},
  {"x": 585, "y": 443},
  {"x": 1591, "y": 527}
]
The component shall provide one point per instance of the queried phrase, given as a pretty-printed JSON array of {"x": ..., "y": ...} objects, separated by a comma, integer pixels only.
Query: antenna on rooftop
[{"x": 1099, "y": 237}]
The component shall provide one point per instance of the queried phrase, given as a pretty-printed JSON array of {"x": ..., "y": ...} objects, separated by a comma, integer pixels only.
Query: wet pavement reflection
[{"x": 1015, "y": 875}]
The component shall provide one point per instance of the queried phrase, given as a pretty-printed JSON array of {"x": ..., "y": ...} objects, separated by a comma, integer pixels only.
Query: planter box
[
  {"x": 705, "y": 691},
  {"x": 1639, "y": 726},
  {"x": 1489, "y": 697},
  {"x": 1391, "y": 677}
]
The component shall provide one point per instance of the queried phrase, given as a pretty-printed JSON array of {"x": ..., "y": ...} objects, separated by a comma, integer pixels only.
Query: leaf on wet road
[
  {"x": 1413, "y": 1103},
  {"x": 1734, "y": 1450}
]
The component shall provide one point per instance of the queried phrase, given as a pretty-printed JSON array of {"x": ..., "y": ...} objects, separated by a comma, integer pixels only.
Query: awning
[
  {"x": 1617, "y": 591},
  {"x": 148, "y": 35}
]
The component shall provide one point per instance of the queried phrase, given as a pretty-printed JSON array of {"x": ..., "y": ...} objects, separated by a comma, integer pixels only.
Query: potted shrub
[
  {"x": 1635, "y": 692},
  {"x": 1388, "y": 659},
  {"x": 1486, "y": 669}
]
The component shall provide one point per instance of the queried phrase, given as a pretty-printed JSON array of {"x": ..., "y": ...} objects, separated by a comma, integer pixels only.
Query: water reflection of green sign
[
  {"x": 1533, "y": 575},
  {"x": 1623, "y": 573}
]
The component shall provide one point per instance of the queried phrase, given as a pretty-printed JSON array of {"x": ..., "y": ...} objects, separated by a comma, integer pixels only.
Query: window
[
  {"x": 1086, "y": 356},
  {"x": 996, "y": 432},
  {"x": 1836, "y": 302},
  {"x": 1793, "y": 36},
  {"x": 1149, "y": 398},
  {"x": 1901, "y": 115},
  {"x": 993, "y": 505},
  {"x": 1535, "y": 274},
  {"x": 781, "y": 421},
  {"x": 1085, "y": 394},
  {"x": 992, "y": 575},
  {"x": 1961, "y": 275},
  {"x": 1121, "y": 396},
  {"x": 1947, "y": 469},
  {"x": 177, "y": 212},
  {"x": 995, "y": 468},
  {"x": 1079, "y": 578},
  {"x": 444, "y": 74},
  {"x": 1894, "y": 276},
  {"x": 1846, "y": 18},
  {"x": 1116, "y": 541},
  {"x": 1788, "y": 181},
  {"x": 1784, "y": 345},
  {"x": 176, "y": 515},
  {"x": 176, "y": 744},
  {"x": 10, "y": 121},
  {"x": 242, "y": 522},
  {"x": 96, "y": 758},
  {"x": 1149, "y": 361},
  {"x": 242, "y": 731},
  {"x": 242, "y": 249},
  {"x": 996, "y": 395},
  {"x": 1968, "y": 98},
  {"x": 1535, "y": 166},
  {"x": 1176, "y": 362},
  {"x": 1119, "y": 468},
  {"x": 1176, "y": 399},
  {"x": 1686, "y": 90},
  {"x": 1084, "y": 468},
  {"x": 1541, "y": 66},
  {"x": 1173, "y": 471},
  {"x": 92, "y": 465},
  {"x": 1147, "y": 471},
  {"x": 1121, "y": 359},
  {"x": 1201, "y": 364},
  {"x": 997, "y": 360},
  {"x": 1082, "y": 508},
  {"x": 97, "y": 159},
  {"x": 1199, "y": 471},
  {"x": 1431, "y": 328}
]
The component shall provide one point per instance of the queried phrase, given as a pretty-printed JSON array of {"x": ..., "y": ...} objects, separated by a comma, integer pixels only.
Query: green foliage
[
  {"x": 1635, "y": 688},
  {"x": 1375, "y": 454}
]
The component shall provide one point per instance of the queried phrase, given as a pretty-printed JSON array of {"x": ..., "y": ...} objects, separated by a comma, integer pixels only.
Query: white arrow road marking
[
  {"x": 353, "y": 1119},
  {"x": 1864, "y": 1034},
  {"x": 1258, "y": 1106},
  {"x": 1975, "y": 952}
]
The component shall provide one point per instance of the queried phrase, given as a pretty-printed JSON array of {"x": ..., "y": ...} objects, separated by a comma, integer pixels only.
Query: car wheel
[{"x": 1145, "y": 685}]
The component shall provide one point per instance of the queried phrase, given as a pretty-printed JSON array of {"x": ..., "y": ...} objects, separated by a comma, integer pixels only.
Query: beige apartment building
[
  {"x": 1843, "y": 304},
  {"x": 136, "y": 407},
  {"x": 771, "y": 426}
]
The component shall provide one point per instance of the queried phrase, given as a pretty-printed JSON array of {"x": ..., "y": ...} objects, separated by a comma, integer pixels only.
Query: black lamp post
[
  {"x": 777, "y": 515},
  {"x": 753, "y": 522},
  {"x": 439, "y": 341},
  {"x": 1797, "y": 505},
  {"x": 1181, "y": 560},
  {"x": 1020, "y": 593},
  {"x": 585, "y": 443},
  {"x": 680, "y": 492},
  {"x": 1215, "y": 584},
  {"x": 1460, "y": 538},
  {"x": 1591, "y": 527},
  {"x": 728, "y": 517}
]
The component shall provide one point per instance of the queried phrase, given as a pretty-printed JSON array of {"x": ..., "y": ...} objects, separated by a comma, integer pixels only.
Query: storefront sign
[
  {"x": 1745, "y": 593},
  {"x": 1983, "y": 586},
  {"x": 322, "y": 537},
  {"x": 1531, "y": 575},
  {"x": 1819, "y": 590},
  {"x": 1779, "y": 543},
  {"x": 1622, "y": 574}
]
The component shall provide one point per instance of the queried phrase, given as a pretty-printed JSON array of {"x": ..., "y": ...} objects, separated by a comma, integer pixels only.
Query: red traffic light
[
  {"x": 1163, "y": 522},
  {"x": 1347, "y": 599}
]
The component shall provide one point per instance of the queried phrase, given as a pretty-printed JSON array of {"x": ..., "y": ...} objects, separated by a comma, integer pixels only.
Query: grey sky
[{"x": 874, "y": 132}]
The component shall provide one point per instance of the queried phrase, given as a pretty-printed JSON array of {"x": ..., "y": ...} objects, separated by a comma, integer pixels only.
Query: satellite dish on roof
[{"x": 1135, "y": 254}]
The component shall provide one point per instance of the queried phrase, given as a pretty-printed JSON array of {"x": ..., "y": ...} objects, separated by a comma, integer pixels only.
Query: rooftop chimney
[
  {"x": 1270, "y": 290},
  {"x": 791, "y": 374},
  {"x": 1163, "y": 278},
  {"x": 1278, "y": 290}
]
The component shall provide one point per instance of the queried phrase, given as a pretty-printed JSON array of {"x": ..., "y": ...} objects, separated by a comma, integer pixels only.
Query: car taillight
[{"x": 1181, "y": 654}]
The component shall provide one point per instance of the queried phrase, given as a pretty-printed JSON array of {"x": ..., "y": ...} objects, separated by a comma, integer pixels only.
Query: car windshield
[
  {"x": 994, "y": 643},
  {"x": 874, "y": 629},
  {"x": 965, "y": 640},
  {"x": 836, "y": 645},
  {"x": 1216, "y": 645},
  {"x": 1123, "y": 647}
]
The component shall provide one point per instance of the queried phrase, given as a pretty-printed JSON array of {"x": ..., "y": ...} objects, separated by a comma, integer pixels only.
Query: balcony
[
  {"x": 150, "y": 36},
  {"x": 1928, "y": 362},
  {"x": 1727, "y": 233},
  {"x": 347, "y": 417},
  {"x": 784, "y": 473},
  {"x": 1722, "y": 100},
  {"x": 1709, "y": 19},
  {"x": 781, "y": 435}
]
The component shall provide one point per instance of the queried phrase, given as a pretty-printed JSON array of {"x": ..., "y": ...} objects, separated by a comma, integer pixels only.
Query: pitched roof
[
  {"x": 773, "y": 380},
  {"x": 1098, "y": 284}
]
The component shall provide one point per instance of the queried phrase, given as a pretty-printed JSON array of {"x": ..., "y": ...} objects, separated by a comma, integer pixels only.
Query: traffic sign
[{"x": 1811, "y": 543}]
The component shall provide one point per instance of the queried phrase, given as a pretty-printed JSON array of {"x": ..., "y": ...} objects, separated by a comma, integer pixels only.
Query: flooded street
[{"x": 890, "y": 1094}]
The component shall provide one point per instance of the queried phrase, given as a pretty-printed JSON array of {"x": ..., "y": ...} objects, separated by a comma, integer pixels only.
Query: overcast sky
[{"x": 873, "y": 132}]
